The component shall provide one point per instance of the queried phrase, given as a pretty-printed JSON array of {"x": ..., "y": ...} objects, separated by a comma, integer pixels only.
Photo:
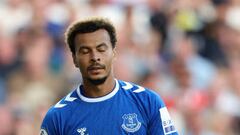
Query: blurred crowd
[{"x": 188, "y": 51}]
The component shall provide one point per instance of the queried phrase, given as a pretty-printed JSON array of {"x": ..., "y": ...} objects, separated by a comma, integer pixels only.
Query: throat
[{"x": 100, "y": 90}]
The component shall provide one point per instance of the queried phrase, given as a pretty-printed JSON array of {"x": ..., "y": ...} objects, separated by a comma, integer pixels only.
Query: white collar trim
[{"x": 99, "y": 99}]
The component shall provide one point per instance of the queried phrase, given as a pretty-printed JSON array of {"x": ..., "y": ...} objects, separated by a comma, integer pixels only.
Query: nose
[{"x": 94, "y": 57}]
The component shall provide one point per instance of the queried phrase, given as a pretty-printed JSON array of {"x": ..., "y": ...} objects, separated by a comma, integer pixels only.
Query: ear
[
  {"x": 114, "y": 53},
  {"x": 75, "y": 60}
]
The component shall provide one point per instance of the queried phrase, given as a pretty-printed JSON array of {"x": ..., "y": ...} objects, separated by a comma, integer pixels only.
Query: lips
[{"x": 95, "y": 69}]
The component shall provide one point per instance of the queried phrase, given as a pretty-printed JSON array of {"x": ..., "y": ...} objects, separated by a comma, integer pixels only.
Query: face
[{"x": 94, "y": 55}]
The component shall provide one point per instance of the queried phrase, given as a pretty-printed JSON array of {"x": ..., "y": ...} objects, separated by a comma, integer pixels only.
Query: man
[{"x": 103, "y": 105}]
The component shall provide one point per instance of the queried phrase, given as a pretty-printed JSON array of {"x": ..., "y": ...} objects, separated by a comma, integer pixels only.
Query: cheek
[
  {"x": 82, "y": 63},
  {"x": 110, "y": 61}
]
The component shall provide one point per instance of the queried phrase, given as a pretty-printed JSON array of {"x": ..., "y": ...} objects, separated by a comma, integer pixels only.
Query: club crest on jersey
[
  {"x": 130, "y": 122},
  {"x": 43, "y": 132}
]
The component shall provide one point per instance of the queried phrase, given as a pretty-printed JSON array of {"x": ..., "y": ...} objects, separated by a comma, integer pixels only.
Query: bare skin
[{"x": 94, "y": 56}]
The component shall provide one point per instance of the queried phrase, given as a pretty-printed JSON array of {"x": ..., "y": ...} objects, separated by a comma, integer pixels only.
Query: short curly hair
[{"x": 87, "y": 26}]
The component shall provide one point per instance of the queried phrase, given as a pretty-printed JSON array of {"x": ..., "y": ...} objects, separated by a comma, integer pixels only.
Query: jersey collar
[{"x": 99, "y": 99}]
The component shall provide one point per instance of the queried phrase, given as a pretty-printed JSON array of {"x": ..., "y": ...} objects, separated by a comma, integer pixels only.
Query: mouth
[{"x": 95, "y": 69}]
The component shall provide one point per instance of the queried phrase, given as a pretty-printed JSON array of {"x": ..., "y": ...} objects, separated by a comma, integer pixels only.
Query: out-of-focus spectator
[
  {"x": 201, "y": 70},
  {"x": 7, "y": 121},
  {"x": 188, "y": 51},
  {"x": 8, "y": 56},
  {"x": 14, "y": 15}
]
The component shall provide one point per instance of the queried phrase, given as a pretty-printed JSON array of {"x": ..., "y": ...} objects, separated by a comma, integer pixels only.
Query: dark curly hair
[{"x": 87, "y": 26}]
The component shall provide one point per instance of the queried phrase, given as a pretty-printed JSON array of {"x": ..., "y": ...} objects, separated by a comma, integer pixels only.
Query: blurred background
[{"x": 188, "y": 51}]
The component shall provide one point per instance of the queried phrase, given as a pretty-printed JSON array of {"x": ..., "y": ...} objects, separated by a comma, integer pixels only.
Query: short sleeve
[
  {"x": 160, "y": 122},
  {"x": 49, "y": 124}
]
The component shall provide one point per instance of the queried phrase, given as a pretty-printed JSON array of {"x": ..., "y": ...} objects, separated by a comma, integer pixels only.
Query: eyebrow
[
  {"x": 102, "y": 44},
  {"x": 82, "y": 46}
]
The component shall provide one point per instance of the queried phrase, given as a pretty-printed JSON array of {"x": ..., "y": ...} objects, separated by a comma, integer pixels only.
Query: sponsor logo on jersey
[
  {"x": 167, "y": 123},
  {"x": 82, "y": 131},
  {"x": 43, "y": 132},
  {"x": 131, "y": 123}
]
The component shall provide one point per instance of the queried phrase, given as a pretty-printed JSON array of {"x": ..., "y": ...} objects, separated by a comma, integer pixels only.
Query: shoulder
[
  {"x": 137, "y": 89},
  {"x": 68, "y": 100},
  {"x": 64, "y": 105},
  {"x": 141, "y": 93},
  {"x": 59, "y": 112}
]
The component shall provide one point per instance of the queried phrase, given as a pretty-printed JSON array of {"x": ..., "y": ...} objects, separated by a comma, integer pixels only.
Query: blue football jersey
[{"x": 128, "y": 110}]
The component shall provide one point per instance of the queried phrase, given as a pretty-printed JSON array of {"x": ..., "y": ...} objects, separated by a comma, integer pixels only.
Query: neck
[{"x": 91, "y": 90}]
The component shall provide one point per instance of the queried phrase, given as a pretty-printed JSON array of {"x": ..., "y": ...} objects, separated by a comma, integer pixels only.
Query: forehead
[{"x": 92, "y": 38}]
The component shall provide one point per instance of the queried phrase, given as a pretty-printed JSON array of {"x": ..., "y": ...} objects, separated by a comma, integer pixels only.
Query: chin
[{"x": 97, "y": 81}]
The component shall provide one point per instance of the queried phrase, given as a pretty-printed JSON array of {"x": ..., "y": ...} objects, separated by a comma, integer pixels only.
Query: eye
[
  {"x": 102, "y": 48},
  {"x": 84, "y": 50}
]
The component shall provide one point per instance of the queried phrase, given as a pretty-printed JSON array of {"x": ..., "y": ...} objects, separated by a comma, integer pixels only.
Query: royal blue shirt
[{"x": 128, "y": 110}]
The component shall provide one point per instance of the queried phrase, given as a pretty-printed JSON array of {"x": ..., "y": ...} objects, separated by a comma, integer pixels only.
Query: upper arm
[
  {"x": 49, "y": 125},
  {"x": 160, "y": 122}
]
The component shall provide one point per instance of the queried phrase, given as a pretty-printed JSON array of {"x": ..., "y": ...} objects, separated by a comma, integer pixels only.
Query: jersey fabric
[{"x": 128, "y": 110}]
